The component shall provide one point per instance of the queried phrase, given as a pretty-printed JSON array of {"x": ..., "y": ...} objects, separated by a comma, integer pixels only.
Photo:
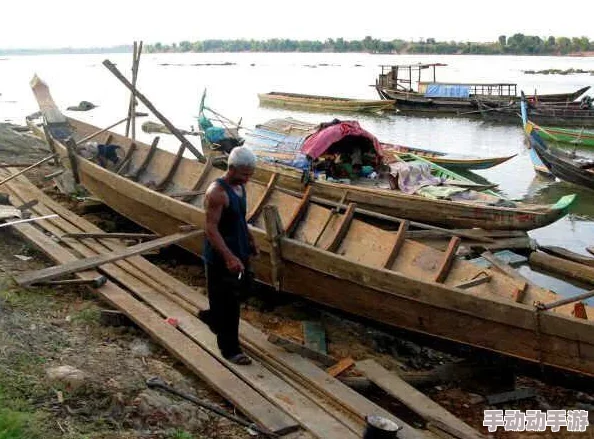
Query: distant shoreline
[{"x": 516, "y": 45}]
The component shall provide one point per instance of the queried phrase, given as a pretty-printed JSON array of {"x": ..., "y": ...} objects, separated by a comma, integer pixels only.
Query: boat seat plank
[
  {"x": 398, "y": 241},
  {"x": 367, "y": 244},
  {"x": 202, "y": 179},
  {"x": 448, "y": 260},
  {"x": 161, "y": 185},
  {"x": 257, "y": 209},
  {"x": 312, "y": 223},
  {"x": 342, "y": 229},
  {"x": 299, "y": 212}
]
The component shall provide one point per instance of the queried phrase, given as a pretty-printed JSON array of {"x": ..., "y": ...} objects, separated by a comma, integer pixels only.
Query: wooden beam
[
  {"x": 178, "y": 158},
  {"x": 340, "y": 367},
  {"x": 86, "y": 264},
  {"x": 274, "y": 232},
  {"x": 299, "y": 212},
  {"x": 101, "y": 131},
  {"x": 147, "y": 159},
  {"x": 400, "y": 237},
  {"x": 264, "y": 198},
  {"x": 567, "y": 254},
  {"x": 572, "y": 270},
  {"x": 127, "y": 158},
  {"x": 22, "y": 171},
  {"x": 110, "y": 235},
  {"x": 504, "y": 268},
  {"x": 406, "y": 394},
  {"x": 186, "y": 194},
  {"x": 448, "y": 260},
  {"x": 342, "y": 228},
  {"x": 113, "y": 69}
]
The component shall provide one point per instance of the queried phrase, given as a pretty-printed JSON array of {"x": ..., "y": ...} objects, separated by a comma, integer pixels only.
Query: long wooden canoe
[
  {"x": 324, "y": 103},
  {"x": 577, "y": 137},
  {"x": 333, "y": 259}
]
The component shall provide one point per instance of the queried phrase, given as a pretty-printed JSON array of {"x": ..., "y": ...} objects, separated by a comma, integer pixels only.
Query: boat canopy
[{"x": 338, "y": 135}]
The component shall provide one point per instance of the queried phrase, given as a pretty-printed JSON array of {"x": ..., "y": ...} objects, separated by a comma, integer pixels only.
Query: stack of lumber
[{"x": 281, "y": 391}]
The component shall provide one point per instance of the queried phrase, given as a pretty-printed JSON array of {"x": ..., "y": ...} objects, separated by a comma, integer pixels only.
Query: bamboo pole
[
  {"x": 113, "y": 69},
  {"x": 96, "y": 133},
  {"x": 22, "y": 171},
  {"x": 132, "y": 105}
]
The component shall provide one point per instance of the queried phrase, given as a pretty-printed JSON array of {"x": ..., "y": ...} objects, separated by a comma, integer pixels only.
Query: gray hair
[{"x": 241, "y": 156}]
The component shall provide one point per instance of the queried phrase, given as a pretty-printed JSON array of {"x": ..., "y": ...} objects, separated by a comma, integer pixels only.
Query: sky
[{"x": 68, "y": 23}]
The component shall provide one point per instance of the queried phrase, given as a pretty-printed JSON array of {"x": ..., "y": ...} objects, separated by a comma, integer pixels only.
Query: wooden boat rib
[
  {"x": 364, "y": 275},
  {"x": 313, "y": 102}
]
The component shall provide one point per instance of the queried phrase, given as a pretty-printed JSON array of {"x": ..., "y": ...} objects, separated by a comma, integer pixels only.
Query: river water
[{"x": 174, "y": 84}]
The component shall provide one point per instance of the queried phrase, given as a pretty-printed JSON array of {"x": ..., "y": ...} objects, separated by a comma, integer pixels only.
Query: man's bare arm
[{"x": 215, "y": 201}]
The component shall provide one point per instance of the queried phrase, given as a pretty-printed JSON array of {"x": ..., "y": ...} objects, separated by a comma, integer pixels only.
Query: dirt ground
[{"x": 44, "y": 328}]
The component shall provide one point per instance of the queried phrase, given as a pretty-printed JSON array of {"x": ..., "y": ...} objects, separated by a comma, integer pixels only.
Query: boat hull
[
  {"x": 323, "y": 103},
  {"x": 383, "y": 295}
]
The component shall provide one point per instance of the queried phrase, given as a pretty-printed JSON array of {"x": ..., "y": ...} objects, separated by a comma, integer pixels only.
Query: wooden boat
[
  {"x": 541, "y": 114},
  {"x": 563, "y": 165},
  {"x": 487, "y": 210},
  {"x": 333, "y": 259},
  {"x": 323, "y": 103},
  {"x": 395, "y": 82},
  {"x": 292, "y": 131},
  {"x": 578, "y": 137}
]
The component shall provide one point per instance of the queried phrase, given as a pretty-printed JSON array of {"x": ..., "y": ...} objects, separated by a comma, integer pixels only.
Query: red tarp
[{"x": 319, "y": 142}]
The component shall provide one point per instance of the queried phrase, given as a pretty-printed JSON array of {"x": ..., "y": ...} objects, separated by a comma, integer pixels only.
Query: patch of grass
[
  {"x": 28, "y": 300},
  {"x": 89, "y": 315},
  {"x": 176, "y": 434},
  {"x": 20, "y": 425}
]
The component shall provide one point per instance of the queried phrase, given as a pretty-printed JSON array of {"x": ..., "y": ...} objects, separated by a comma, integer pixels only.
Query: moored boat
[
  {"x": 395, "y": 82},
  {"x": 562, "y": 164},
  {"x": 577, "y": 137},
  {"x": 468, "y": 208},
  {"x": 324, "y": 103},
  {"x": 331, "y": 258}
]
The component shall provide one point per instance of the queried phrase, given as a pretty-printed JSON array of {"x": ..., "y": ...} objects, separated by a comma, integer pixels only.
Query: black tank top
[{"x": 232, "y": 227}]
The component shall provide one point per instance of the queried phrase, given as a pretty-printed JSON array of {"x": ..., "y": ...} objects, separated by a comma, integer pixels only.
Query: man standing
[{"x": 228, "y": 247}]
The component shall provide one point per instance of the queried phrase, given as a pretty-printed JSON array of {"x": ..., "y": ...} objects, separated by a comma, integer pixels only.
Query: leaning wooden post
[
  {"x": 71, "y": 146},
  {"x": 113, "y": 69},
  {"x": 132, "y": 106},
  {"x": 131, "y": 101},
  {"x": 22, "y": 171},
  {"x": 274, "y": 233}
]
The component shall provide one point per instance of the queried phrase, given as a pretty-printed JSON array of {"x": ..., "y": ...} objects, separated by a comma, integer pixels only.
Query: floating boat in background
[
  {"x": 330, "y": 257},
  {"x": 564, "y": 165},
  {"x": 395, "y": 82},
  {"x": 324, "y": 103},
  {"x": 471, "y": 208},
  {"x": 578, "y": 137},
  {"x": 291, "y": 131}
]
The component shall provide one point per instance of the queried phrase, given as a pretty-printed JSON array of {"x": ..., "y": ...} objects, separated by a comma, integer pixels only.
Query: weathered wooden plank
[
  {"x": 567, "y": 254},
  {"x": 448, "y": 260},
  {"x": 22, "y": 171},
  {"x": 572, "y": 270},
  {"x": 400, "y": 237},
  {"x": 274, "y": 231},
  {"x": 196, "y": 359},
  {"x": 416, "y": 401},
  {"x": 85, "y": 264},
  {"x": 340, "y": 367},
  {"x": 111, "y": 235}
]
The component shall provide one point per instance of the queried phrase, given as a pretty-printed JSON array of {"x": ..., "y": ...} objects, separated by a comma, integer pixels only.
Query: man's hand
[{"x": 234, "y": 264}]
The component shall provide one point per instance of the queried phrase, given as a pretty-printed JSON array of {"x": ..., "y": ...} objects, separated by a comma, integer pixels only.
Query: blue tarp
[{"x": 447, "y": 91}]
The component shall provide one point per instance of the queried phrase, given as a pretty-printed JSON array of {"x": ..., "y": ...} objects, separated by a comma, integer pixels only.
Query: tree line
[{"x": 518, "y": 44}]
